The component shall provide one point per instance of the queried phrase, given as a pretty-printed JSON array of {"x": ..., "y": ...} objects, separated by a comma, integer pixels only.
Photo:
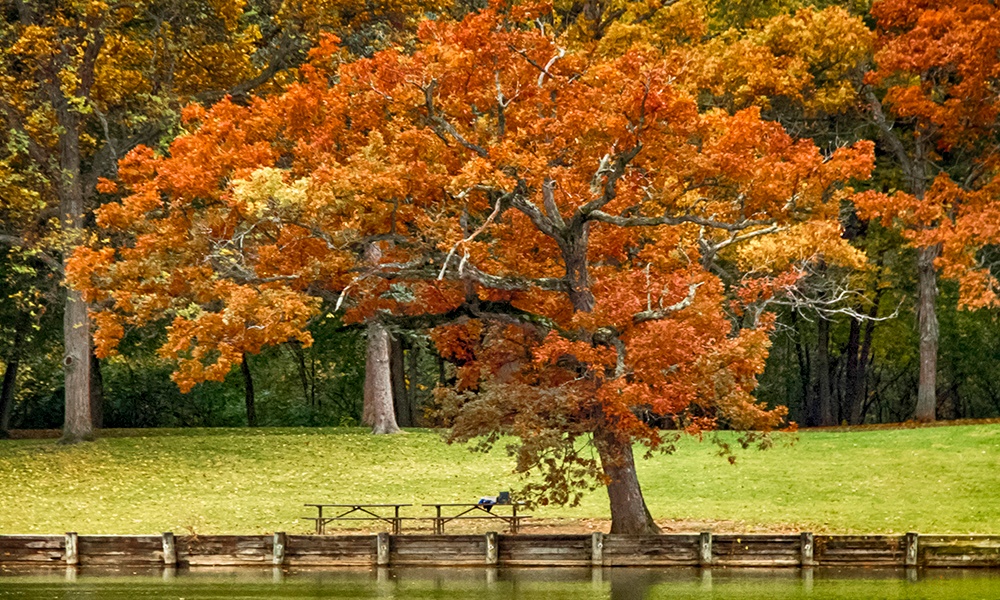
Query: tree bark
[
  {"x": 413, "y": 360},
  {"x": 79, "y": 424},
  {"x": 826, "y": 412},
  {"x": 96, "y": 391},
  {"x": 397, "y": 372},
  {"x": 378, "y": 410},
  {"x": 248, "y": 393},
  {"x": 629, "y": 514},
  {"x": 9, "y": 387},
  {"x": 928, "y": 328},
  {"x": 807, "y": 409},
  {"x": 856, "y": 389}
]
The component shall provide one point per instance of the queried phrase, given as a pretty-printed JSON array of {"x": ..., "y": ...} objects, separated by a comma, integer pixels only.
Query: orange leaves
[{"x": 938, "y": 59}]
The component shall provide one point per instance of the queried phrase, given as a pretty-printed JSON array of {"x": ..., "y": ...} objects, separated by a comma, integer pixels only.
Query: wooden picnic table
[
  {"x": 360, "y": 509},
  {"x": 465, "y": 509}
]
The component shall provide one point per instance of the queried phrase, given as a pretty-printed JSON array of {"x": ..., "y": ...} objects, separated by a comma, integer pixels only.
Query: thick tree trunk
[
  {"x": 79, "y": 424},
  {"x": 628, "y": 508},
  {"x": 573, "y": 247},
  {"x": 397, "y": 372},
  {"x": 8, "y": 388},
  {"x": 928, "y": 328},
  {"x": 378, "y": 407},
  {"x": 248, "y": 393},
  {"x": 826, "y": 412}
]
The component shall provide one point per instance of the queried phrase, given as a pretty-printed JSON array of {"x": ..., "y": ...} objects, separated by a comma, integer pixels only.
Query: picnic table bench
[
  {"x": 361, "y": 512},
  {"x": 469, "y": 510},
  {"x": 445, "y": 512}
]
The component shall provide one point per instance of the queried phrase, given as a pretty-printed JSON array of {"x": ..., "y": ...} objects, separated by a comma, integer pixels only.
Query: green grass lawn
[{"x": 934, "y": 480}]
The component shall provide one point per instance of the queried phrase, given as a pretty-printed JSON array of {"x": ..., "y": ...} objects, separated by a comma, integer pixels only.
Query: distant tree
[{"x": 932, "y": 94}]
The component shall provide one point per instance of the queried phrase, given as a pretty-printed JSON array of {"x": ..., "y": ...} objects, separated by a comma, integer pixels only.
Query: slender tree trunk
[
  {"x": 807, "y": 410},
  {"x": 928, "y": 328},
  {"x": 413, "y": 361},
  {"x": 397, "y": 372},
  {"x": 857, "y": 390},
  {"x": 8, "y": 388},
  {"x": 854, "y": 369},
  {"x": 826, "y": 413},
  {"x": 628, "y": 508},
  {"x": 248, "y": 393},
  {"x": 96, "y": 391},
  {"x": 300, "y": 360},
  {"x": 378, "y": 408}
]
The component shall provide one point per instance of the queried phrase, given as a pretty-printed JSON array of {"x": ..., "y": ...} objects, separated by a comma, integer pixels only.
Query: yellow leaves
[
  {"x": 807, "y": 242},
  {"x": 37, "y": 42},
  {"x": 266, "y": 192}
]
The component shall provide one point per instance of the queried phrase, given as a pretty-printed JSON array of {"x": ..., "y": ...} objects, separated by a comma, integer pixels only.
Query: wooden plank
[
  {"x": 959, "y": 551},
  {"x": 757, "y": 550},
  {"x": 328, "y": 550},
  {"x": 545, "y": 550},
  {"x": 651, "y": 550},
  {"x": 32, "y": 549},
  {"x": 430, "y": 550},
  {"x": 223, "y": 550},
  {"x": 120, "y": 550},
  {"x": 861, "y": 550}
]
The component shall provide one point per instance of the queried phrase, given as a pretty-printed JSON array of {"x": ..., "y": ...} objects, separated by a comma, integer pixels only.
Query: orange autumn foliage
[
  {"x": 938, "y": 63},
  {"x": 552, "y": 215}
]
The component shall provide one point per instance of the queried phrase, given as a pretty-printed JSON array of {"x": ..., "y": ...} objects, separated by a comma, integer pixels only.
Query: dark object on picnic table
[{"x": 489, "y": 501}]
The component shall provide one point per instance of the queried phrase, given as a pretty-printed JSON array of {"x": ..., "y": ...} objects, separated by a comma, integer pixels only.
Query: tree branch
[{"x": 665, "y": 311}]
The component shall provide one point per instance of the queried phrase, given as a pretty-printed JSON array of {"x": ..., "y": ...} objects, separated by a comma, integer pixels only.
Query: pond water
[{"x": 524, "y": 584}]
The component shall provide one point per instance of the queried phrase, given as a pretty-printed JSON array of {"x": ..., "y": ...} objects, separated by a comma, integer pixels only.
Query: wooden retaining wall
[{"x": 704, "y": 549}]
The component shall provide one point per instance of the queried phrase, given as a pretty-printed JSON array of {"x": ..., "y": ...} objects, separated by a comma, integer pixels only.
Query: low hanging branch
[{"x": 472, "y": 236}]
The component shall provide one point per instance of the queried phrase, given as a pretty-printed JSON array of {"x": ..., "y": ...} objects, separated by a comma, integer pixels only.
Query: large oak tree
[{"x": 555, "y": 217}]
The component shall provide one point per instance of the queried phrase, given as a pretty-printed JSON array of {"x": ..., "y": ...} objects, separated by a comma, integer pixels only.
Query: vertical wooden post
[
  {"x": 278, "y": 552},
  {"x": 169, "y": 549},
  {"x": 492, "y": 551},
  {"x": 705, "y": 549},
  {"x": 72, "y": 549},
  {"x": 597, "y": 549},
  {"x": 808, "y": 549},
  {"x": 382, "y": 549},
  {"x": 912, "y": 541}
]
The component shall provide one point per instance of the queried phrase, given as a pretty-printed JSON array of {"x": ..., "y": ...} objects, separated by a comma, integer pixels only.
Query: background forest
[{"x": 83, "y": 84}]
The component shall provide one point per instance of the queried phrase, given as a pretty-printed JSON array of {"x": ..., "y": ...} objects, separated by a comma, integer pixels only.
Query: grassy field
[{"x": 934, "y": 480}]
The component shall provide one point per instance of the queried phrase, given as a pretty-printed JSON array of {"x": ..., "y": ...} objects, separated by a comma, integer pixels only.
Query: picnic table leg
[
  {"x": 395, "y": 523},
  {"x": 513, "y": 520},
  {"x": 438, "y": 524},
  {"x": 320, "y": 525}
]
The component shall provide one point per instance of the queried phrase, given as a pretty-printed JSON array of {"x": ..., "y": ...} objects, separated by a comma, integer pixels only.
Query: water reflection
[{"x": 91, "y": 583}]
